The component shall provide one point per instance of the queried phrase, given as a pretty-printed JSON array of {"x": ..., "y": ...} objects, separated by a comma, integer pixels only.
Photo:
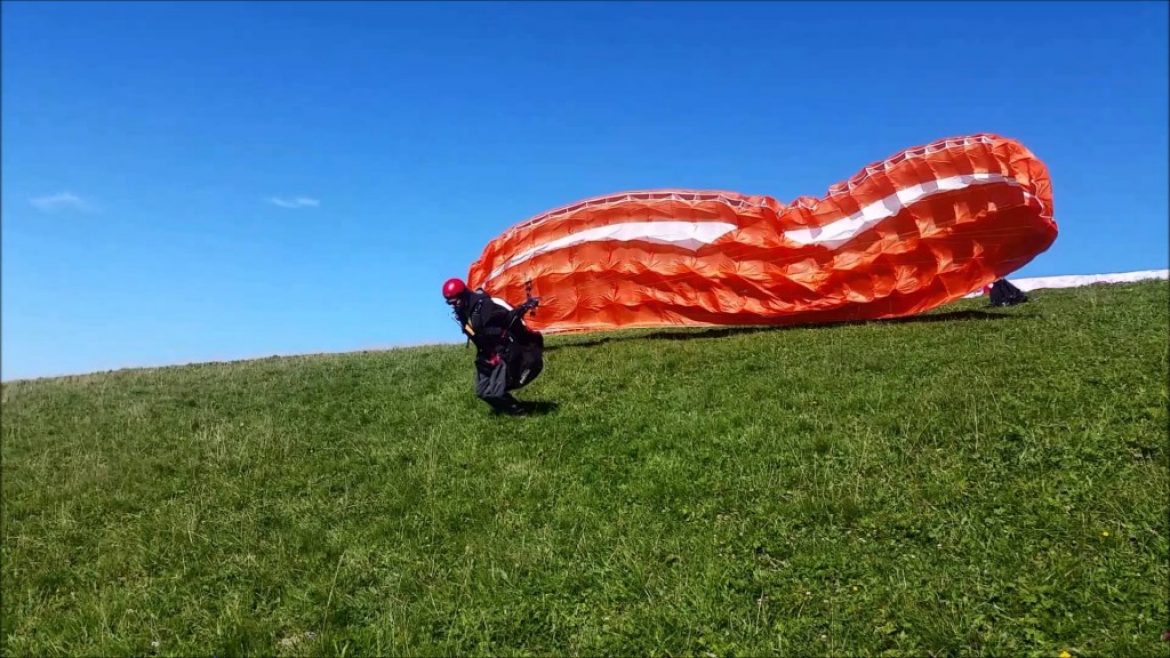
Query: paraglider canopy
[{"x": 903, "y": 235}]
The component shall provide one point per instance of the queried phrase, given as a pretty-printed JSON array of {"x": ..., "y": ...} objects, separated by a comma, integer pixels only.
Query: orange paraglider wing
[{"x": 904, "y": 235}]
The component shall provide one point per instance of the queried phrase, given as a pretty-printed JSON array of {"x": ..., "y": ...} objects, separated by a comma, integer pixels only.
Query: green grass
[{"x": 933, "y": 487}]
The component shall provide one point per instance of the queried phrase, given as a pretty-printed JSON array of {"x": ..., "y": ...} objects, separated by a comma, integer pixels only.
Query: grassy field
[{"x": 976, "y": 481}]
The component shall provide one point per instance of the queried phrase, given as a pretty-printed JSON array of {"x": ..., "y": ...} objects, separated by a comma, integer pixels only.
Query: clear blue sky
[{"x": 213, "y": 180}]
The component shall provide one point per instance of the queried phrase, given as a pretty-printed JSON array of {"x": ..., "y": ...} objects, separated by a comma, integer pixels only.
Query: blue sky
[{"x": 216, "y": 180}]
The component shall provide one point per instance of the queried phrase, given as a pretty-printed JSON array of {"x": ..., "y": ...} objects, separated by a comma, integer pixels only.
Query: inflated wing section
[{"x": 902, "y": 236}]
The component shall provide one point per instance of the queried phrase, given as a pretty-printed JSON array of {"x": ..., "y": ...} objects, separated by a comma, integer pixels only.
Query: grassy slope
[{"x": 918, "y": 487}]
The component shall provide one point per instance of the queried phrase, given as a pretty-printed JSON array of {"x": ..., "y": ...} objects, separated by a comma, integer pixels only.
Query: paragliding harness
[
  {"x": 523, "y": 349},
  {"x": 519, "y": 348},
  {"x": 1003, "y": 293}
]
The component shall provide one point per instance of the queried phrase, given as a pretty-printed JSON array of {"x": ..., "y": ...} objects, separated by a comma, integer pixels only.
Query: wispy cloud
[
  {"x": 296, "y": 202},
  {"x": 60, "y": 201}
]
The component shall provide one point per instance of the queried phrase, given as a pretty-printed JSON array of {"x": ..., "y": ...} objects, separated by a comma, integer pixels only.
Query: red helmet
[{"x": 453, "y": 288}]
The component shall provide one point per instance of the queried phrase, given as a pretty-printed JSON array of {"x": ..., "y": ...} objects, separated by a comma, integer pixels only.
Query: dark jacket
[{"x": 491, "y": 327}]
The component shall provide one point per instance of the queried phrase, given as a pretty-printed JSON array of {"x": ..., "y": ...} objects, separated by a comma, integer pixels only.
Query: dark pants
[{"x": 493, "y": 383}]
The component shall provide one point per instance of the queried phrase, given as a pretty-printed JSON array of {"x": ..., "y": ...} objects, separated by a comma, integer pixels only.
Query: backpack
[{"x": 1004, "y": 293}]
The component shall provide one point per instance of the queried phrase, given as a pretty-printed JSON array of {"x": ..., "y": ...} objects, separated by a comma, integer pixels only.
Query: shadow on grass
[
  {"x": 537, "y": 407},
  {"x": 691, "y": 334}
]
